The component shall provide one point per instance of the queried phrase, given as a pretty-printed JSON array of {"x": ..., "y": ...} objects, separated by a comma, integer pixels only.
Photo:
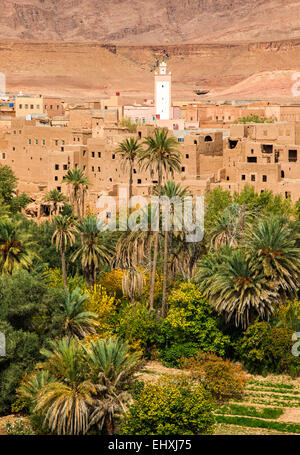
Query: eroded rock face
[{"x": 144, "y": 21}]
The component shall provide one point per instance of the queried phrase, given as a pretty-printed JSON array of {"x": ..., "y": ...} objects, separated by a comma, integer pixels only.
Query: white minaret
[{"x": 163, "y": 92}]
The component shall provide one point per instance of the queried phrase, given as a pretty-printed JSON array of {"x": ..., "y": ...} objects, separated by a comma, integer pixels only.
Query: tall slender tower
[{"x": 163, "y": 92}]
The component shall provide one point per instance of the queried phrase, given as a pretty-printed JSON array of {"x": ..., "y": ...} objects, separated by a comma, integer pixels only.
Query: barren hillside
[
  {"x": 155, "y": 21},
  {"x": 91, "y": 48},
  {"x": 93, "y": 70}
]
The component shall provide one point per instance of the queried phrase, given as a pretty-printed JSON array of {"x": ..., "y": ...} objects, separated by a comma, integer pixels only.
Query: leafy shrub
[
  {"x": 29, "y": 317},
  {"x": 112, "y": 282},
  {"x": 22, "y": 351},
  {"x": 254, "y": 118},
  {"x": 265, "y": 349},
  {"x": 127, "y": 123},
  {"x": 191, "y": 322},
  {"x": 171, "y": 356},
  {"x": 222, "y": 378},
  {"x": 170, "y": 406},
  {"x": 105, "y": 306},
  {"x": 140, "y": 327},
  {"x": 288, "y": 315},
  {"x": 28, "y": 304},
  {"x": 54, "y": 278}
]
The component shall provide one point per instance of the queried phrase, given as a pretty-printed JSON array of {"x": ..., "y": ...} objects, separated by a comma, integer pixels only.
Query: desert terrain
[
  {"x": 89, "y": 70},
  {"x": 91, "y": 48}
]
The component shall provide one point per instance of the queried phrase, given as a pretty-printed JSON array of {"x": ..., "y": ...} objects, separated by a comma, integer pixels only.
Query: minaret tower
[{"x": 163, "y": 92}]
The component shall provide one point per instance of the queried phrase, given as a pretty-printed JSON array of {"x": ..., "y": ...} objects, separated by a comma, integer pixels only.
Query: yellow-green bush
[
  {"x": 112, "y": 281},
  {"x": 191, "y": 326},
  {"x": 170, "y": 406},
  {"x": 105, "y": 306},
  {"x": 54, "y": 279}
]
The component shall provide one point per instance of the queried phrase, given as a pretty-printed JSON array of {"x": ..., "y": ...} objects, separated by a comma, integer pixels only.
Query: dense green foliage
[
  {"x": 191, "y": 326},
  {"x": 170, "y": 406},
  {"x": 266, "y": 349},
  {"x": 29, "y": 317},
  {"x": 80, "y": 306},
  {"x": 141, "y": 328},
  {"x": 84, "y": 387}
]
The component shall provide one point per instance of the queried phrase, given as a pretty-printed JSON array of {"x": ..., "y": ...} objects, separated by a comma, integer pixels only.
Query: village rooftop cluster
[{"x": 42, "y": 137}]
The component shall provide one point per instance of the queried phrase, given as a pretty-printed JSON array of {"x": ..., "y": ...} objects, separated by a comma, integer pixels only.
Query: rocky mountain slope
[
  {"x": 145, "y": 21},
  {"x": 228, "y": 71}
]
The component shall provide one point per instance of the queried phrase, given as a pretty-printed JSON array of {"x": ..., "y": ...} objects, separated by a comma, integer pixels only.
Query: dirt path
[{"x": 290, "y": 415}]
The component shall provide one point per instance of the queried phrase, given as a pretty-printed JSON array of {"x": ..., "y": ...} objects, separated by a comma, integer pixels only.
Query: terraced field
[{"x": 270, "y": 406}]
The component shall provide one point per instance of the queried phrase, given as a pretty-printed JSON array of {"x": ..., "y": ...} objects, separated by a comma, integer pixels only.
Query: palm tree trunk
[
  {"x": 130, "y": 184},
  {"x": 76, "y": 198},
  {"x": 82, "y": 203},
  {"x": 165, "y": 277},
  {"x": 154, "y": 266},
  {"x": 63, "y": 267},
  {"x": 150, "y": 258},
  {"x": 50, "y": 212},
  {"x": 94, "y": 276},
  {"x": 156, "y": 241},
  {"x": 91, "y": 278},
  {"x": 109, "y": 426}
]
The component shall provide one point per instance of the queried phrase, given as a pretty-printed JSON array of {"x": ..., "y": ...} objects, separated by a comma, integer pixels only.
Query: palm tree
[
  {"x": 235, "y": 287},
  {"x": 63, "y": 235},
  {"x": 88, "y": 384},
  {"x": 16, "y": 247},
  {"x": 77, "y": 321},
  {"x": 161, "y": 154},
  {"x": 129, "y": 150},
  {"x": 229, "y": 226},
  {"x": 134, "y": 244},
  {"x": 66, "y": 402},
  {"x": 208, "y": 267},
  {"x": 31, "y": 386},
  {"x": 133, "y": 282},
  {"x": 113, "y": 367},
  {"x": 271, "y": 246},
  {"x": 185, "y": 255},
  {"x": 55, "y": 197},
  {"x": 76, "y": 179},
  {"x": 96, "y": 247},
  {"x": 174, "y": 192}
]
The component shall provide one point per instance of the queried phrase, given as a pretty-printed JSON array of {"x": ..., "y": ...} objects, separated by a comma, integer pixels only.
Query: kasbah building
[{"x": 42, "y": 137}]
